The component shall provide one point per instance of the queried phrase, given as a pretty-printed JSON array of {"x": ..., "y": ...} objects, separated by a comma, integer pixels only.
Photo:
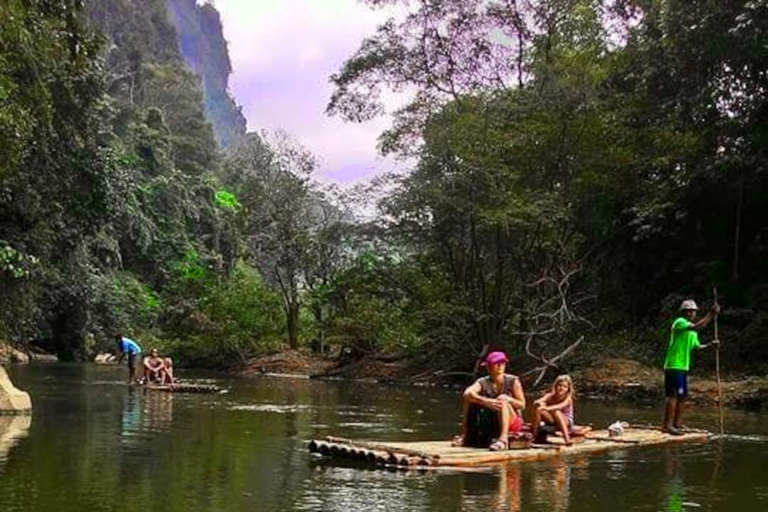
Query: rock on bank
[{"x": 12, "y": 400}]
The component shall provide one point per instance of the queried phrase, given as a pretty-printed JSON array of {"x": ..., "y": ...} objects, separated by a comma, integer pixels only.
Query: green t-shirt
[{"x": 681, "y": 343}]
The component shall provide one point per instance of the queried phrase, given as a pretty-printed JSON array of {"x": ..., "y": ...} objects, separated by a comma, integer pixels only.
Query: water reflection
[
  {"x": 12, "y": 430},
  {"x": 145, "y": 412},
  {"x": 130, "y": 418},
  {"x": 553, "y": 486},
  {"x": 508, "y": 496},
  {"x": 158, "y": 411},
  {"x": 674, "y": 487},
  {"x": 246, "y": 452}
]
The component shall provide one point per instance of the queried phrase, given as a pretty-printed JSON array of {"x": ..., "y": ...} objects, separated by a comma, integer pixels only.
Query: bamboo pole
[
  {"x": 380, "y": 447},
  {"x": 640, "y": 426},
  {"x": 614, "y": 439},
  {"x": 717, "y": 372}
]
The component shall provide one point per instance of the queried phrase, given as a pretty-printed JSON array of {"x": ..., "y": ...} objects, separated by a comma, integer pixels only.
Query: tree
[{"x": 272, "y": 182}]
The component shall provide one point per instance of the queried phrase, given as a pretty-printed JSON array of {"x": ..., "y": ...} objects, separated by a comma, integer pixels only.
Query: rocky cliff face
[
  {"x": 169, "y": 31},
  {"x": 202, "y": 44}
]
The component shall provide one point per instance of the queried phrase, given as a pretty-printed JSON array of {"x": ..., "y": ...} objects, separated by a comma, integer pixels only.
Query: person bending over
[
  {"x": 492, "y": 404},
  {"x": 126, "y": 346}
]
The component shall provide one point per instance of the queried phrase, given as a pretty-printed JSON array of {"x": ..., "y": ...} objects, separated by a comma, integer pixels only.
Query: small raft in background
[
  {"x": 184, "y": 387},
  {"x": 426, "y": 454}
]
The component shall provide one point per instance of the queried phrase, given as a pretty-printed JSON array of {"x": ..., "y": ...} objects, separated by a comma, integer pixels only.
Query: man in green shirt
[{"x": 683, "y": 339}]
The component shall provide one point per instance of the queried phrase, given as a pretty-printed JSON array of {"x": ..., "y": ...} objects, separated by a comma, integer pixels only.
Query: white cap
[{"x": 688, "y": 304}]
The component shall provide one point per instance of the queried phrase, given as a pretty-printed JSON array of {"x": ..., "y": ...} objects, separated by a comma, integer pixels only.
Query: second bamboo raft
[{"x": 184, "y": 387}]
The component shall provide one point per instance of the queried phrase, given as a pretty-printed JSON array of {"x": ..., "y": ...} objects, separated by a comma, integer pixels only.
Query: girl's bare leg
[
  {"x": 535, "y": 422},
  {"x": 540, "y": 416},
  {"x": 562, "y": 424}
]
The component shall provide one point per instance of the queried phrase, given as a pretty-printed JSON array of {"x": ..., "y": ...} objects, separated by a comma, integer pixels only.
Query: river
[{"x": 95, "y": 444}]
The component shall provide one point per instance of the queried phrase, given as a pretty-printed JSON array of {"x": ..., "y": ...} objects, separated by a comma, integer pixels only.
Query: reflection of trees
[{"x": 12, "y": 430}]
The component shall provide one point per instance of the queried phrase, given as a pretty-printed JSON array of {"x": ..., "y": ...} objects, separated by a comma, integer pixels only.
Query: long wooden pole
[{"x": 717, "y": 372}]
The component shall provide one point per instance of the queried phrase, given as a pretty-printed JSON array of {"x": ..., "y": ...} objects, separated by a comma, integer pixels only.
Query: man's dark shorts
[
  {"x": 132, "y": 361},
  {"x": 676, "y": 384}
]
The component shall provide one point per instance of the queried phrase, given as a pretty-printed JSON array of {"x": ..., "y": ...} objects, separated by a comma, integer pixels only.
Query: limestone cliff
[{"x": 202, "y": 44}]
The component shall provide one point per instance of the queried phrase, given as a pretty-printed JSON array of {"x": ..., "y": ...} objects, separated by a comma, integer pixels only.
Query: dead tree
[{"x": 552, "y": 316}]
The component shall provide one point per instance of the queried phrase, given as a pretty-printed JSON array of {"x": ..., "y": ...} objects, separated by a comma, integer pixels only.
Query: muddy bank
[
  {"x": 623, "y": 379},
  {"x": 297, "y": 362},
  {"x": 611, "y": 379}
]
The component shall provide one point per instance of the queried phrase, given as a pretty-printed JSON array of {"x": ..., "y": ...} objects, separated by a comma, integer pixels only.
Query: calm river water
[{"x": 95, "y": 444}]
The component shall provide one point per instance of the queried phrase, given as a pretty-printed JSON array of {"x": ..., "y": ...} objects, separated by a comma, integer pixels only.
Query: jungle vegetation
[{"x": 576, "y": 168}]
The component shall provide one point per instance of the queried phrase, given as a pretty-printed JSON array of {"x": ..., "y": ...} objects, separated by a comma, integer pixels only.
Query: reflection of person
[
  {"x": 556, "y": 408},
  {"x": 683, "y": 339},
  {"x": 158, "y": 411},
  {"x": 492, "y": 403},
  {"x": 154, "y": 368},
  {"x": 562, "y": 488},
  {"x": 126, "y": 346},
  {"x": 674, "y": 486},
  {"x": 508, "y": 499},
  {"x": 552, "y": 485}
]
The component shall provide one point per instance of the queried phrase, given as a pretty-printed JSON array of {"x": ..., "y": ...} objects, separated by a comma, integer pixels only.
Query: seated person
[
  {"x": 556, "y": 408},
  {"x": 153, "y": 368},
  {"x": 491, "y": 407},
  {"x": 168, "y": 371}
]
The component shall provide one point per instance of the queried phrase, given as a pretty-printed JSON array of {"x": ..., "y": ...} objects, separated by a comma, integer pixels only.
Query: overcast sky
[{"x": 283, "y": 53}]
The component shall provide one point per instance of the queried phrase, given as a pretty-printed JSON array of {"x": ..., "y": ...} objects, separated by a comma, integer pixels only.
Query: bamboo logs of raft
[
  {"x": 440, "y": 453},
  {"x": 184, "y": 387}
]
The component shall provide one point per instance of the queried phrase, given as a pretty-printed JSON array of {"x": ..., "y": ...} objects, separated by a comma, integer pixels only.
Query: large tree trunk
[
  {"x": 737, "y": 235},
  {"x": 292, "y": 317}
]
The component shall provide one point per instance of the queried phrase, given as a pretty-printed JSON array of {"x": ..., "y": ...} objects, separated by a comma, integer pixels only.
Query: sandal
[{"x": 498, "y": 445}]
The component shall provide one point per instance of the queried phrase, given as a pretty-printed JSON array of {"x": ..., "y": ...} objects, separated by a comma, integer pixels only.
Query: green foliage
[
  {"x": 190, "y": 267},
  {"x": 234, "y": 318},
  {"x": 375, "y": 305},
  {"x": 613, "y": 153},
  {"x": 225, "y": 199},
  {"x": 15, "y": 264},
  {"x": 573, "y": 177}
]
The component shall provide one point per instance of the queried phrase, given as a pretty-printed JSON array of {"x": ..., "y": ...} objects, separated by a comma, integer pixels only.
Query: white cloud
[{"x": 283, "y": 53}]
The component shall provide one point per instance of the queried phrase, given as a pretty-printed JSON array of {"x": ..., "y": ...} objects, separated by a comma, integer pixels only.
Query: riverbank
[
  {"x": 610, "y": 379},
  {"x": 624, "y": 379}
]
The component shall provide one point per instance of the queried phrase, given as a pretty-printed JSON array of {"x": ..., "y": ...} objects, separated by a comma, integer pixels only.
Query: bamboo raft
[
  {"x": 426, "y": 454},
  {"x": 184, "y": 387}
]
